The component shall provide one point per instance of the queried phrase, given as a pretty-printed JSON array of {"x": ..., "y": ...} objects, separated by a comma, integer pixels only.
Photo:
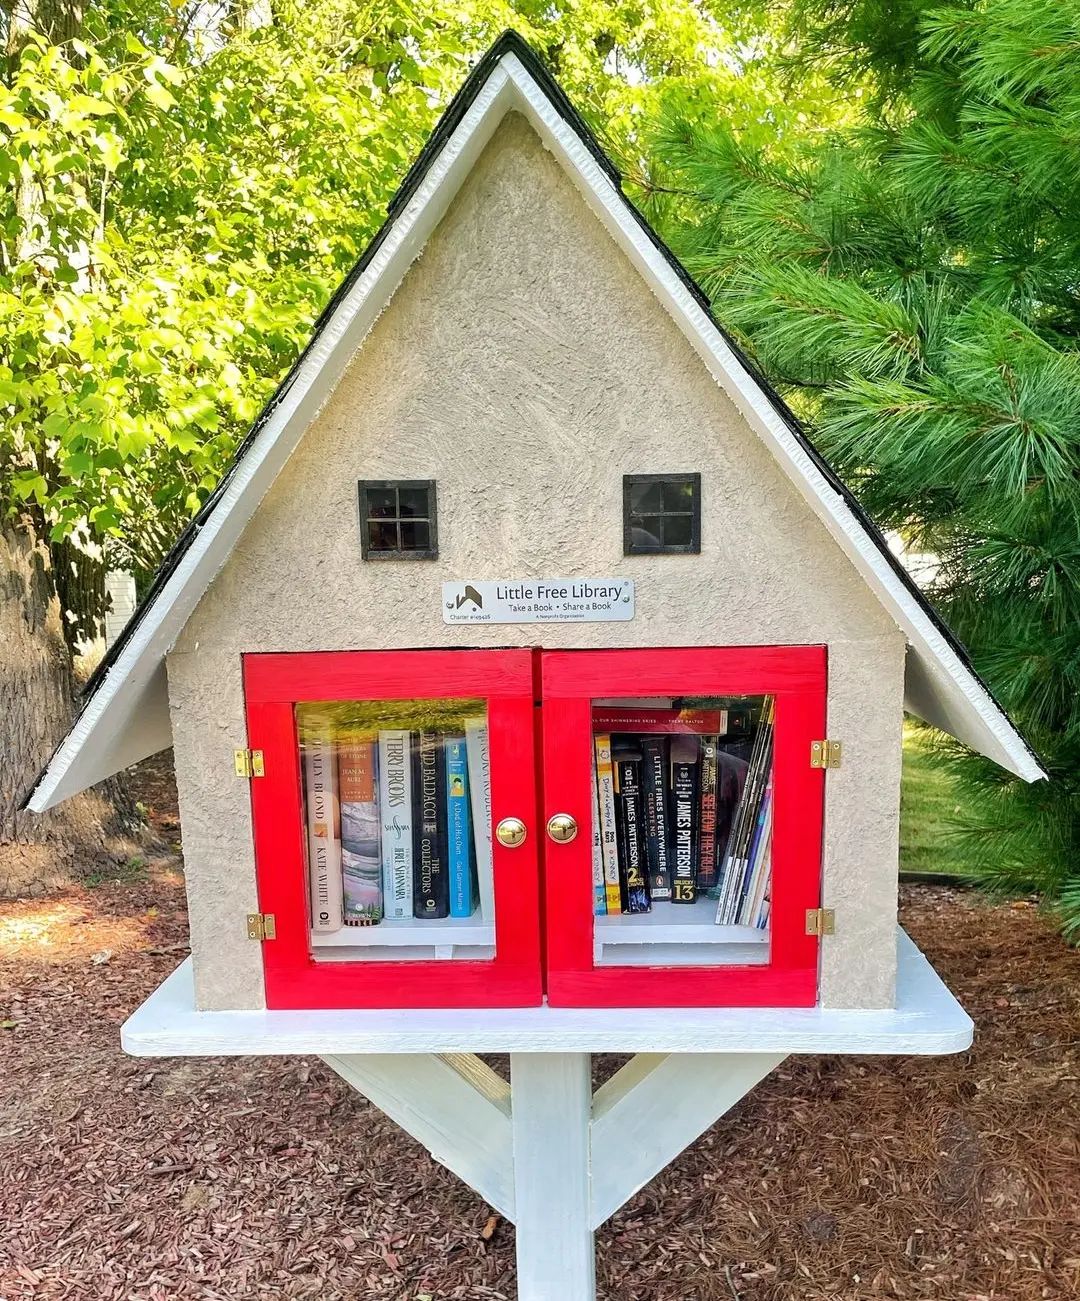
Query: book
[
  {"x": 323, "y": 834},
  {"x": 759, "y": 865},
  {"x": 731, "y": 772},
  {"x": 395, "y": 810},
  {"x": 599, "y": 888},
  {"x": 361, "y": 861},
  {"x": 605, "y": 795},
  {"x": 459, "y": 846},
  {"x": 706, "y": 868},
  {"x": 431, "y": 895},
  {"x": 629, "y": 813},
  {"x": 671, "y": 721},
  {"x": 685, "y": 776},
  {"x": 654, "y": 793},
  {"x": 476, "y": 745},
  {"x": 745, "y": 821}
]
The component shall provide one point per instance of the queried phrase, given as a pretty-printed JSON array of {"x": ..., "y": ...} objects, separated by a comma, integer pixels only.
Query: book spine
[
  {"x": 605, "y": 791},
  {"x": 654, "y": 781},
  {"x": 395, "y": 808},
  {"x": 629, "y": 816},
  {"x": 685, "y": 777},
  {"x": 458, "y": 837},
  {"x": 361, "y": 860},
  {"x": 751, "y": 861},
  {"x": 476, "y": 746},
  {"x": 599, "y": 889},
  {"x": 760, "y": 865},
  {"x": 706, "y": 872},
  {"x": 430, "y": 894},
  {"x": 323, "y": 835}
]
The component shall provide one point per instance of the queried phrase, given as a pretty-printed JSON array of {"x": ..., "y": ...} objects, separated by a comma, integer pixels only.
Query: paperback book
[
  {"x": 395, "y": 805},
  {"x": 459, "y": 850},
  {"x": 476, "y": 745},
  {"x": 431, "y": 895},
  {"x": 323, "y": 834}
]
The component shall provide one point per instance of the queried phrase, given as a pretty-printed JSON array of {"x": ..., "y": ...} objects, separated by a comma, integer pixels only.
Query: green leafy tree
[{"x": 911, "y": 282}]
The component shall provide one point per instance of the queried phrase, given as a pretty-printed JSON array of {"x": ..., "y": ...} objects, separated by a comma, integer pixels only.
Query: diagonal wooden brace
[{"x": 544, "y": 1151}]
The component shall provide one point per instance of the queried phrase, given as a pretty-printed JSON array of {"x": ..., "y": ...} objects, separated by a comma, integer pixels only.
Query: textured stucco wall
[{"x": 524, "y": 365}]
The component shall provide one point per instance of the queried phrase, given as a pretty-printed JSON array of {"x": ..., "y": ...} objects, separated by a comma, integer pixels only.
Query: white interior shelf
[
  {"x": 676, "y": 935},
  {"x": 927, "y": 1020},
  {"x": 403, "y": 932}
]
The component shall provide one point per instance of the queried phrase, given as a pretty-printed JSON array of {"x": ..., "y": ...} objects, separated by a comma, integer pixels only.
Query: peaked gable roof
[{"x": 124, "y": 715}]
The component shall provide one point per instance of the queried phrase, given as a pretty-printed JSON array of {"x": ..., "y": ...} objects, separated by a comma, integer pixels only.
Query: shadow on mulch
[{"x": 956, "y": 1178}]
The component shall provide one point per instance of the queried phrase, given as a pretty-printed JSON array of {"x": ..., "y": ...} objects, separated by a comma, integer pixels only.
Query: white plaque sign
[{"x": 539, "y": 600}]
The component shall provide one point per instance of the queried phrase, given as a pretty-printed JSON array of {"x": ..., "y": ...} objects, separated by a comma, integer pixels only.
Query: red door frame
[
  {"x": 796, "y": 676},
  {"x": 273, "y": 684}
]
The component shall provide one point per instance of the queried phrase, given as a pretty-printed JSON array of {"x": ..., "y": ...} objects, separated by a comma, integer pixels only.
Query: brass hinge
[
  {"x": 261, "y": 926},
  {"x": 248, "y": 763},
  {"x": 820, "y": 921},
  {"x": 825, "y": 754}
]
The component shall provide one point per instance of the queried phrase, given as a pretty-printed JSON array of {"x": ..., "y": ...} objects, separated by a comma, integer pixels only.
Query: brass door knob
[
  {"x": 511, "y": 832},
  {"x": 561, "y": 827}
]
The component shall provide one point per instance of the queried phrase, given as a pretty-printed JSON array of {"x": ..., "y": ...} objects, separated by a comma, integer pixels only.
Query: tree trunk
[{"x": 41, "y": 851}]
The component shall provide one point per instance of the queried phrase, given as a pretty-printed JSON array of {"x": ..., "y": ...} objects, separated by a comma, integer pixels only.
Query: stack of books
[
  {"x": 396, "y": 825},
  {"x": 683, "y": 809}
]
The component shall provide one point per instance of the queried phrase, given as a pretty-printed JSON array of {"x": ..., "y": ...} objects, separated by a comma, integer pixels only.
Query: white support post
[
  {"x": 454, "y": 1104},
  {"x": 653, "y": 1108},
  {"x": 552, "y": 1108}
]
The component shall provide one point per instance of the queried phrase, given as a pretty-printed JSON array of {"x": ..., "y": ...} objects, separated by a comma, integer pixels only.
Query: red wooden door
[
  {"x": 584, "y": 970},
  {"x": 501, "y": 682}
]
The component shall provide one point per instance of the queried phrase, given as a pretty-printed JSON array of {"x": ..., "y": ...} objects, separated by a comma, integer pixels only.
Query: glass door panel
[
  {"x": 682, "y": 830},
  {"x": 397, "y": 829}
]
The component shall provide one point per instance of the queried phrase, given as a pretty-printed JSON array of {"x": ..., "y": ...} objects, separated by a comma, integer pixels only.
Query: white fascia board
[
  {"x": 927, "y": 1020},
  {"x": 127, "y": 717},
  {"x": 943, "y": 690}
]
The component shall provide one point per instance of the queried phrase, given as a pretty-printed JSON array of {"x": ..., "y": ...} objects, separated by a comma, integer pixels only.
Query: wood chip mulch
[{"x": 956, "y": 1178}]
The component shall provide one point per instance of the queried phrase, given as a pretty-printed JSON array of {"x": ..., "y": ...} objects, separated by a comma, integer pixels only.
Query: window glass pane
[
  {"x": 645, "y": 497},
  {"x": 679, "y": 495},
  {"x": 382, "y": 535},
  {"x": 413, "y": 502},
  {"x": 677, "y": 530},
  {"x": 682, "y": 834},
  {"x": 397, "y": 830},
  {"x": 415, "y": 535},
  {"x": 382, "y": 503},
  {"x": 645, "y": 532}
]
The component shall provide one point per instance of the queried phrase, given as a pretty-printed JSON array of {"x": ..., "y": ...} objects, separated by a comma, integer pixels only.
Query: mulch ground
[{"x": 955, "y": 1178}]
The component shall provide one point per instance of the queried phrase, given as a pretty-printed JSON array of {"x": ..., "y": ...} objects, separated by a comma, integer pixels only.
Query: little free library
[{"x": 535, "y": 688}]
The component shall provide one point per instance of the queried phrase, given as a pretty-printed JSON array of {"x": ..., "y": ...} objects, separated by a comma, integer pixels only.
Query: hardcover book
[
  {"x": 361, "y": 862},
  {"x": 476, "y": 744},
  {"x": 431, "y": 895},
  {"x": 323, "y": 834},
  {"x": 654, "y": 783},
  {"x": 706, "y": 871},
  {"x": 605, "y": 796},
  {"x": 395, "y": 807},
  {"x": 459, "y": 850},
  {"x": 685, "y": 776},
  {"x": 629, "y": 814}
]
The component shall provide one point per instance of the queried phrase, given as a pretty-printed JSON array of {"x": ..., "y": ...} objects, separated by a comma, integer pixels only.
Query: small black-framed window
[
  {"x": 397, "y": 519},
  {"x": 661, "y": 514}
]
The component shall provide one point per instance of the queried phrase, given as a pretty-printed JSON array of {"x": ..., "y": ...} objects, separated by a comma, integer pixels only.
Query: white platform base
[
  {"x": 926, "y": 1020},
  {"x": 543, "y": 1150}
]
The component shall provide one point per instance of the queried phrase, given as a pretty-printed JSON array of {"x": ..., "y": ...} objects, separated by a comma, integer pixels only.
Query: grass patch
[
  {"x": 129, "y": 871},
  {"x": 929, "y": 800}
]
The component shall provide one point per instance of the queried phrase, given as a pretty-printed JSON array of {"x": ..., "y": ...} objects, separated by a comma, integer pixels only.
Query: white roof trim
[{"x": 127, "y": 716}]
